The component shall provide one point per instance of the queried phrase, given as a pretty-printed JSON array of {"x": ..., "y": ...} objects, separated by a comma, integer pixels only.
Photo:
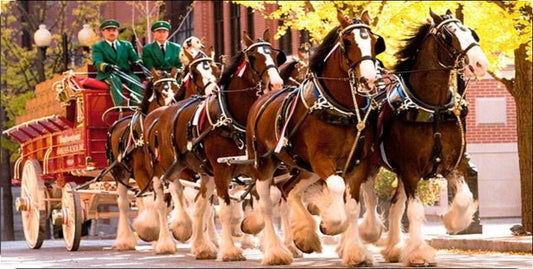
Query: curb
[{"x": 520, "y": 244}]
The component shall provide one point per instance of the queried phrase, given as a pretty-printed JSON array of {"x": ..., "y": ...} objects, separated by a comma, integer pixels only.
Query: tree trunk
[
  {"x": 8, "y": 233},
  {"x": 522, "y": 94}
]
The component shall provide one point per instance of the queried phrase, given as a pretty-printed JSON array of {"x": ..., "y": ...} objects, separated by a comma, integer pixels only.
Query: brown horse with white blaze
[
  {"x": 178, "y": 141},
  {"x": 320, "y": 135},
  {"x": 122, "y": 147},
  {"x": 425, "y": 136}
]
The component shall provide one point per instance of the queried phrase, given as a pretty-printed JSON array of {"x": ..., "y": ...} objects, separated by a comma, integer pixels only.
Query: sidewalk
[{"x": 496, "y": 236}]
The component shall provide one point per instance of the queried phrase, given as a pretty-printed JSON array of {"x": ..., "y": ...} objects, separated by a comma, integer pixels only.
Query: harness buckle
[{"x": 320, "y": 103}]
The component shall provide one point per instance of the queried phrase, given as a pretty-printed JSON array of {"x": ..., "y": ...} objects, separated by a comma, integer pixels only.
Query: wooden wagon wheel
[
  {"x": 72, "y": 217},
  {"x": 32, "y": 204}
]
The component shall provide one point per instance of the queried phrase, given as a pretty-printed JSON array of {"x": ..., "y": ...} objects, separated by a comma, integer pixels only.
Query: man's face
[
  {"x": 110, "y": 34},
  {"x": 161, "y": 35}
]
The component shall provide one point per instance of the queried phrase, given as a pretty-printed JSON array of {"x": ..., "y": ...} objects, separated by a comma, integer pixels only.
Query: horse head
[
  {"x": 164, "y": 87},
  {"x": 202, "y": 71},
  {"x": 359, "y": 47},
  {"x": 459, "y": 44},
  {"x": 259, "y": 55}
]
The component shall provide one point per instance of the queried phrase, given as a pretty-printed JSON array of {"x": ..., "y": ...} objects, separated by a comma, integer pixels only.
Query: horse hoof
[{"x": 252, "y": 225}]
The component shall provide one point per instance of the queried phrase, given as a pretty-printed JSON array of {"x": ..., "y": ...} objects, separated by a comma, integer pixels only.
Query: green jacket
[
  {"x": 153, "y": 56},
  {"x": 103, "y": 54}
]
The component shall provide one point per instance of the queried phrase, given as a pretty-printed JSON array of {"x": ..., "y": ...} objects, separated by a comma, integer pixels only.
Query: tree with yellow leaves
[{"x": 504, "y": 28}]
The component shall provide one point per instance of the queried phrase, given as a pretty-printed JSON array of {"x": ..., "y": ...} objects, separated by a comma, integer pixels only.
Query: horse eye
[{"x": 346, "y": 43}]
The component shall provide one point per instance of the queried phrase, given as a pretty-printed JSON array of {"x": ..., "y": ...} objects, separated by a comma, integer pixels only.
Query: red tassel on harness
[{"x": 240, "y": 70}]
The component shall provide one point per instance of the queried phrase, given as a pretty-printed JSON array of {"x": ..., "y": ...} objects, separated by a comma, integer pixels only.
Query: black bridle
[{"x": 440, "y": 32}]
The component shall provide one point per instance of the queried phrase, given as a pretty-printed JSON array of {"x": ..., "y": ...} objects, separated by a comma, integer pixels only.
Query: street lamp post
[{"x": 42, "y": 39}]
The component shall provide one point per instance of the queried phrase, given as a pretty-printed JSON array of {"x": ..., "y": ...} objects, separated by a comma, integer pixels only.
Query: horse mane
[
  {"x": 286, "y": 69},
  {"x": 147, "y": 94},
  {"x": 316, "y": 61},
  {"x": 407, "y": 55},
  {"x": 231, "y": 68}
]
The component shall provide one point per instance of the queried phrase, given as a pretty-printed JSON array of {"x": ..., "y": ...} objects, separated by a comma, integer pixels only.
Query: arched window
[{"x": 181, "y": 9}]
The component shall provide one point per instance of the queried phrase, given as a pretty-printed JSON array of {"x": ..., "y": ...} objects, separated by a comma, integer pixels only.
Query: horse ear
[
  {"x": 154, "y": 74},
  {"x": 266, "y": 35},
  {"x": 173, "y": 72},
  {"x": 211, "y": 52},
  {"x": 365, "y": 17},
  {"x": 189, "y": 56},
  {"x": 202, "y": 42},
  {"x": 449, "y": 12},
  {"x": 436, "y": 18},
  {"x": 300, "y": 55},
  {"x": 246, "y": 40},
  {"x": 342, "y": 19}
]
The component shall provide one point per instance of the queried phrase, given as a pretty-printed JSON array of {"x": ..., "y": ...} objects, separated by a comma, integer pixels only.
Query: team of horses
[{"x": 309, "y": 148}]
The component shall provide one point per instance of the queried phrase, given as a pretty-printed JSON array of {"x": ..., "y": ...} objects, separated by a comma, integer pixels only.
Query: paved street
[{"x": 97, "y": 253}]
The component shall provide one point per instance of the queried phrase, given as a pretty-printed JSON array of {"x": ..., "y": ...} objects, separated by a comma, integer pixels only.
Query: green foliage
[
  {"x": 428, "y": 191},
  {"x": 384, "y": 184},
  {"x": 19, "y": 64}
]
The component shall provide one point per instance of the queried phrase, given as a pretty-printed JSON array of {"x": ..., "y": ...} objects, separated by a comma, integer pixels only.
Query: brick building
[{"x": 491, "y": 122}]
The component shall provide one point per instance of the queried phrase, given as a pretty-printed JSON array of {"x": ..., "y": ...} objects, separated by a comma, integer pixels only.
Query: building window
[
  {"x": 285, "y": 42},
  {"x": 304, "y": 37},
  {"x": 187, "y": 27},
  {"x": 250, "y": 21},
  {"x": 235, "y": 24},
  {"x": 219, "y": 28}
]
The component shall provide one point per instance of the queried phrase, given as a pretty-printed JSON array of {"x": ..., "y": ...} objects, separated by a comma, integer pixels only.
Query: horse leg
[
  {"x": 303, "y": 226},
  {"x": 125, "y": 239},
  {"x": 371, "y": 227},
  {"x": 461, "y": 211},
  {"x": 331, "y": 205},
  {"x": 351, "y": 248},
  {"x": 286, "y": 227},
  {"x": 247, "y": 239},
  {"x": 253, "y": 222},
  {"x": 211, "y": 229},
  {"x": 181, "y": 224},
  {"x": 202, "y": 247},
  {"x": 393, "y": 247},
  {"x": 275, "y": 253},
  {"x": 228, "y": 250},
  {"x": 146, "y": 224},
  {"x": 417, "y": 252},
  {"x": 165, "y": 244}
]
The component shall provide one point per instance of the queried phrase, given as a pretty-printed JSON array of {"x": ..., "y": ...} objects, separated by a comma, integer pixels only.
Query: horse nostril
[{"x": 322, "y": 229}]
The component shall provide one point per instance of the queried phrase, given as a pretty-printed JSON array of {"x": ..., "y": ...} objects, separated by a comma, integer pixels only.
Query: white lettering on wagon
[{"x": 69, "y": 138}]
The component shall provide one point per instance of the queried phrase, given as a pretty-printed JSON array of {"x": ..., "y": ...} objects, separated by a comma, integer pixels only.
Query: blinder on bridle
[
  {"x": 260, "y": 43},
  {"x": 202, "y": 58}
]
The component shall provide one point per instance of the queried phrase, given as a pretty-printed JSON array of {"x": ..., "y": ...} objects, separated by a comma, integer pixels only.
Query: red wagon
[{"x": 58, "y": 152}]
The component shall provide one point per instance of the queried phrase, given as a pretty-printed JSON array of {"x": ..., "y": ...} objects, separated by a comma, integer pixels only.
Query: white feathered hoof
[
  {"x": 356, "y": 255},
  {"x": 392, "y": 254},
  {"x": 148, "y": 231},
  {"x": 247, "y": 242},
  {"x": 124, "y": 244},
  {"x": 277, "y": 256},
  {"x": 231, "y": 254},
  {"x": 253, "y": 224},
  {"x": 296, "y": 253},
  {"x": 370, "y": 233},
  {"x": 422, "y": 256},
  {"x": 204, "y": 251},
  {"x": 307, "y": 240},
  {"x": 165, "y": 247},
  {"x": 332, "y": 228},
  {"x": 181, "y": 230},
  {"x": 460, "y": 214}
]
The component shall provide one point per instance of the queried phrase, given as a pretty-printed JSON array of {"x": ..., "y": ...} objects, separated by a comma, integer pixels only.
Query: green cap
[
  {"x": 109, "y": 24},
  {"x": 160, "y": 25}
]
